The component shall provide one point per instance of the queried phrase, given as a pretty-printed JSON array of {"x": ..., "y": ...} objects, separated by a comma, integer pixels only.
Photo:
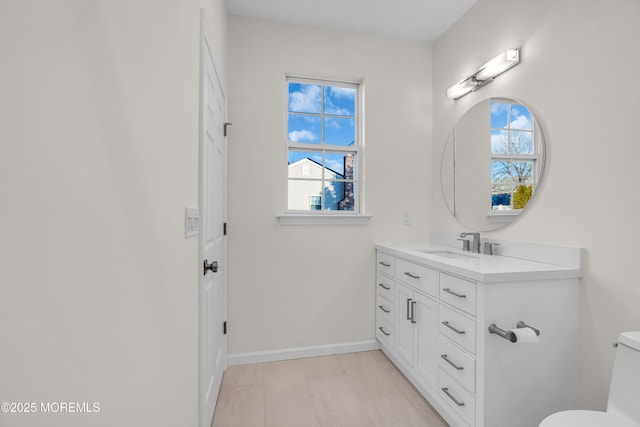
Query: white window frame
[
  {"x": 496, "y": 216},
  {"x": 301, "y": 217}
]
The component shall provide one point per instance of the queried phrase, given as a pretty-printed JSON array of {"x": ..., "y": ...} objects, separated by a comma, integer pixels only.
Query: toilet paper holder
[{"x": 508, "y": 335}]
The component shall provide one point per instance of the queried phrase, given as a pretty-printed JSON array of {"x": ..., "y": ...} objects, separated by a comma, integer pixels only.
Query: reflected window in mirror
[{"x": 514, "y": 155}]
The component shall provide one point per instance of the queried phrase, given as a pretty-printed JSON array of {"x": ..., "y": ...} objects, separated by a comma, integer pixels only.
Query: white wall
[
  {"x": 99, "y": 118},
  {"x": 297, "y": 286},
  {"x": 579, "y": 71}
]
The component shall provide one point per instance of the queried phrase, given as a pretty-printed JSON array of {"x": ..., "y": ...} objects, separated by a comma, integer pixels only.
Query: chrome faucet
[{"x": 475, "y": 245}]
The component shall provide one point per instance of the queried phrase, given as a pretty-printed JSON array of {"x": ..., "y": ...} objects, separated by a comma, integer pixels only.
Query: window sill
[
  {"x": 311, "y": 219},
  {"x": 496, "y": 217}
]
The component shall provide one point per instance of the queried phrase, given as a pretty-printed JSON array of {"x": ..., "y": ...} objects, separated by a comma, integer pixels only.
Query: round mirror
[{"x": 492, "y": 164}]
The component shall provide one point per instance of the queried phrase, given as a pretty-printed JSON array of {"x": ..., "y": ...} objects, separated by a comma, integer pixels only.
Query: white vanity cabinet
[{"x": 435, "y": 328}]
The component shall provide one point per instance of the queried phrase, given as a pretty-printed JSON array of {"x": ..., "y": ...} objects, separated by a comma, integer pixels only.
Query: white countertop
[{"x": 480, "y": 267}]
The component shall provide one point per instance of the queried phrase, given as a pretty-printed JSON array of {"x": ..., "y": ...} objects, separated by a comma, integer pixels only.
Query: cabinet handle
[
  {"x": 408, "y": 306},
  {"x": 446, "y": 359},
  {"x": 413, "y": 312},
  {"x": 384, "y": 264},
  {"x": 449, "y": 291},
  {"x": 383, "y": 308},
  {"x": 386, "y": 288},
  {"x": 454, "y": 329},
  {"x": 410, "y": 274},
  {"x": 446, "y": 391},
  {"x": 383, "y": 331}
]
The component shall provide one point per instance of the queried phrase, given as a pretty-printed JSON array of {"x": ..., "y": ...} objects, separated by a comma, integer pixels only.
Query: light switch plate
[
  {"x": 191, "y": 222},
  {"x": 406, "y": 218}
]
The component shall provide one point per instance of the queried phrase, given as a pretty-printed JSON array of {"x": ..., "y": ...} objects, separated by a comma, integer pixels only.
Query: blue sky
[{"x": 311, "y": 106}]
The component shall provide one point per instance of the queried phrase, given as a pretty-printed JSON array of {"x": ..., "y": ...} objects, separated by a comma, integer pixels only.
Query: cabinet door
[
  {"x": 404, "y": 325},
  {"x": 425, "y": 360}
]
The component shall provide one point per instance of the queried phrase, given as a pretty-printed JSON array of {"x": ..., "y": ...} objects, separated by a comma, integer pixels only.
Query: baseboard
[{"x": 301, "y": 352}]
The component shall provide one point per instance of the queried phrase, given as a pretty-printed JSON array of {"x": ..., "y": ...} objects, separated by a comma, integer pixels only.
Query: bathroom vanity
[{"x": 434, "y": 308}]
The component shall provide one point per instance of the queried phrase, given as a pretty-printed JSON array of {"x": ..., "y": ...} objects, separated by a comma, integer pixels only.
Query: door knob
[{"x": 213, "y": 266}]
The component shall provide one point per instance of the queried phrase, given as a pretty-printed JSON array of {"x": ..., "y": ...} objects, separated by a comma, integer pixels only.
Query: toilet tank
[{"x": 625, "y": 381}]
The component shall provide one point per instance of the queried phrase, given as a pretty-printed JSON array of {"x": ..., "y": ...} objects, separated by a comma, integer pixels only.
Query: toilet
[{"x": 623, "y": 406}]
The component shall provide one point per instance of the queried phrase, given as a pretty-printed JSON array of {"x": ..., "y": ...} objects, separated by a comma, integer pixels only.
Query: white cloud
[
  {"x": 331, "y": 109},
  {"x": 302, "y": 135},
  {"x": 331, "y": 123},
  {"x": 342, "y": 92},
  {"x": 498, "y": 108},
  {"x": 307, "y": 100},
  {"x": 521, "y": 122}
]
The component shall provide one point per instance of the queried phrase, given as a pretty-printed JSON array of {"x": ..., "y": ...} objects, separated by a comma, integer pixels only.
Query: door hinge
[
  {"x": 224, "y": 229},
  {"x": 226, "y": 126},
  {"x": 224, "y": 327}
]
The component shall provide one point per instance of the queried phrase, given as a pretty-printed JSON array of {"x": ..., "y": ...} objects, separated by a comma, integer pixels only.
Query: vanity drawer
[
  {"x": 384, "y": 332},
  {"x": 458, "y": 328},
  {"x": 422, "y": 278},
  {"x": 457, "y": 364},
  {"x": 461, "y": 401},
  {"x": 384, "y": 310},
  {"x": 386, "y": 263},
  {"x": 458, "y": 292},
  {"x": 385, "y": 287}
]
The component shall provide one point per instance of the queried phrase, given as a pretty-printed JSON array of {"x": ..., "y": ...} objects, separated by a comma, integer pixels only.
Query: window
[
  {"x": 324, "y": 147},
  {"x": 514, "y": 155}
]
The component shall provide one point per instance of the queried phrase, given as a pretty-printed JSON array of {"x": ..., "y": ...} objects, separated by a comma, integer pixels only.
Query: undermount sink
[{"x": 447, "y": 254}]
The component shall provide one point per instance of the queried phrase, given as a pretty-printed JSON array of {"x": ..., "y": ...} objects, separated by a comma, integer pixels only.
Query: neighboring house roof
[{"x": 307, "y": 159}]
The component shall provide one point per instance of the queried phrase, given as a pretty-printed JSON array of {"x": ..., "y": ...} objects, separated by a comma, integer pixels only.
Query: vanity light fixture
[{"x": 485, "y": 74}]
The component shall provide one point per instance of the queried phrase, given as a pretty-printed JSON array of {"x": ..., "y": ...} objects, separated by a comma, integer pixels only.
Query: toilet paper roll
[{"x": 525, "y": 335}]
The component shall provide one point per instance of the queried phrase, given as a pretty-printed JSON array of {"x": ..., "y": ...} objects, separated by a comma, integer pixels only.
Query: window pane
[
  {"x": 520, "y": 118},
  {"x": 521, "y": 142},
  {"x": 523, "y": 172},
  {"x": 501, "y": 172},
  {"x": 511, "y": 173},
  {"x": 305, "y": 164},
  {"x": 305, "y": 98},
  {"x": 338, "y": 196},
  {"x": 304, "y": 195},
  {"x": 499, "y": 142},
  {"x": 499, "y": 112},
  {"x": 339, "y": 131},
  {"x": 305, "y": 128},
  {"x": 339, "y": 101},
  {"x": 342, "y": 164}
]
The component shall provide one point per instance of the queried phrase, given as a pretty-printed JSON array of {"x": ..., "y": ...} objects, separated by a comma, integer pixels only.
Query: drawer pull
[
  {"x": 410, "y": 274},
  {"x": 454, "y": 293},
  {"x": 384, "y": 264},
  {"x": 386, "y": 288},
  {"x": 446, "y": 359},
  {"x": 383, "y": 308},
  {"x": 446, "y": 391},
  {"x": 383, "y": 331},
  {"x": 409, "y": 316},
  {"x": 454, "y": 329},
  {"x": 413, "y": 312}
]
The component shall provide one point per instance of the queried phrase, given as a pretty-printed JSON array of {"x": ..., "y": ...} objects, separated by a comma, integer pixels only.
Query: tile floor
[{"x": 350, "y": 390}]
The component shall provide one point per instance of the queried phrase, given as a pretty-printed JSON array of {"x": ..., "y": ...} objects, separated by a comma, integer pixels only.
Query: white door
[{"x": 213, "y": 295}]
